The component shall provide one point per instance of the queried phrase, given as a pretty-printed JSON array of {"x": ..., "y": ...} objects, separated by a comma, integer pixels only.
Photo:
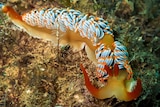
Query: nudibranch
[
  {"x": 79, "y": 31},
  {"x": 117, "y": 85}
]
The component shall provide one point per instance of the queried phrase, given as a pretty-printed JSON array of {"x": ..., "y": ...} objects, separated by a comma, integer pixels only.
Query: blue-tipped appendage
[{"x": 1, "y": 5}]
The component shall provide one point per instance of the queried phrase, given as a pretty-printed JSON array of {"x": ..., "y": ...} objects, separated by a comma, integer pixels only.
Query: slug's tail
[{"x": 10, "y": 12}]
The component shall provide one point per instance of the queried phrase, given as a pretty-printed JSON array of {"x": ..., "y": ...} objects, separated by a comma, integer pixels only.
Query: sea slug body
[{"x": 79, "y": 30}]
